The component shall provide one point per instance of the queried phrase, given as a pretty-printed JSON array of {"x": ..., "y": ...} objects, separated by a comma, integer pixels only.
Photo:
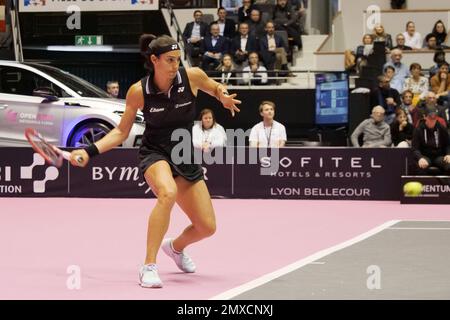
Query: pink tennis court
[{"x": 46, "y": 242}]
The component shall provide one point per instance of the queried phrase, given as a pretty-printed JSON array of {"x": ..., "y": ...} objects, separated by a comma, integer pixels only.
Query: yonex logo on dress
[
  {"x": 180, "y": 89},
  {"x": 174, "y": 47}
]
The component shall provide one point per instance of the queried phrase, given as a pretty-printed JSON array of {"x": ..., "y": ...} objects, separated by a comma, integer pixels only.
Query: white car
[{"x": 67, "y": 110}]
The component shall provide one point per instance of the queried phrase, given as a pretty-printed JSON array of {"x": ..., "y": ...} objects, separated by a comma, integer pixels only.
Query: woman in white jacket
[{"x": 207, "y": 134}]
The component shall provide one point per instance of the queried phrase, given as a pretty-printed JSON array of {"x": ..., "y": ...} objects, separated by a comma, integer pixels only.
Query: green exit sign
[{"x": 88, "y": 40}]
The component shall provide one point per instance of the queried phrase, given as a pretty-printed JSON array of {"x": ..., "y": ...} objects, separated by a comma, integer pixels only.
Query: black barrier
[{"x": 322, "y": 173}]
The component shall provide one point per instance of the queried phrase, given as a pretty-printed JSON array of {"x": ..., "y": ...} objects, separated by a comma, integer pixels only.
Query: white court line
[
  {"x": 301, "y": 263},
  {"x": 399, "y": 228}
]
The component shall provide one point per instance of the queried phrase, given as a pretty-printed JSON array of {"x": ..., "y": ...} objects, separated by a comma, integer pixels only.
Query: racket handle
[{"x": 66, "y": 155}]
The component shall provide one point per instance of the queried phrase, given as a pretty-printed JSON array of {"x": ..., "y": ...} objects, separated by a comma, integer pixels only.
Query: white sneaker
[
  {"x": 183, "y": 261},
  {"x": 148, "y": 276}
]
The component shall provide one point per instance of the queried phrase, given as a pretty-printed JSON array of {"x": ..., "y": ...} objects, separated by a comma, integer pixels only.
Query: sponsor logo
[
  {"x": 180, "y": 89},
  {"x": 154, "y": 110},
  {"x": 182, "y": 104}
]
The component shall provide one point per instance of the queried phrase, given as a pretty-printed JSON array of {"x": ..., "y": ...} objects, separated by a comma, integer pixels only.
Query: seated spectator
[
  {"x": 213, "y": 48},
  {"x": 431, "y": 144},
  {"x": 227, "y": 27},
  {"x": 401, "y": 130},
  {"x": 386, "y": 97},
  {"x": 207, "y": 134},
  {"x": 268, "y": 133},
  {"x": 254, "y": 73},
  {"x": 358, "y": 58},
  {"x": 245, "y": 11},
  {"x": 413, "y": 39},
  {"x": 400, "y": 40},
  {"x": 194, "y": 33},
  {"x": 379, "y": 35},
  {"x": 376, "y": 131},
  {"x": 439, "y": 58},
  {"x": 256, "y": 25},
  {"x": 285, "y": 18},
  {"x": 440, "y": 83},
  {"x": 243, "y": 44},
  {"x": 226, "y": 70},
  {"x": 301, "y": 6},
  {"x": 417, "y": 83},
  {"x": 394, "y": 83},
  {"x": 401, "y": 70},
  {"x": 407, "y": 104},
  {"x": 431, "y": 102},
  {"x": 231, "y": 6},
  {"x": 431, "y": 43},
  {"x": 273, "y": 49},
  {"x": 440, "y": 32},
  {"x": 112, "y": 87}
]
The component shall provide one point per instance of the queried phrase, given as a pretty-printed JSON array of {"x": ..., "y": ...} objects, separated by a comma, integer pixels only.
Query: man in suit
[
  {"x": 194, "y": 33},
  {"x": 273, "y": 49},
  {"x": 227, "y": 26},
  {"x": 243, "y": 44},
  {"x": 213, "y": 48},
  {"x": 285, "y": 18}
]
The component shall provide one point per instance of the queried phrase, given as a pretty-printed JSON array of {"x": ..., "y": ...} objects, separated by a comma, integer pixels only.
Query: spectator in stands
[
  {"x": 227, "y": 27},
  {"x": 268, "y": 133},
  {"x": 207, "y": 134},
  {"x": 112, "y": 87},
  {"x": 245, "y": 11},
  {"x": 440, "y": 82},
  {"x": 376, "y": 132},
  {"x": 232, "y": 6},
  {"x": 285, "y": 18},
  {"x": 440, "y": 32},
  {"x": 389, "y": 73},
  {"x": 401, "y": 70},
  {"x": 401, "y": 130},
  {"x": 243, "y": 43},
  {"x": 417, "y": 83},
  {"x": 379, "y": 35},
  {"x": 407, "y": 104},
  {"x": 431, "y": 144},
  {"x": 413, "y": 39},
  {"x": 254, "y": 73},
  {"x": 363, "y": 51},
  {"x": 431, "y": 102},
  {"x": 439, "y": 58},
  {"x": 256, "y": 25},
  {"x": 213, "y": 48},
  {"x": 385, "y": 97},
  {"x": 227, "y": 70},
  {"x": 400, "y": 40},
  {"x": 431, "y": 43},
  {"x": 301, "y": 6},
  {"x": 194, "y": 33},
  {"x": 273, "y": 49}
]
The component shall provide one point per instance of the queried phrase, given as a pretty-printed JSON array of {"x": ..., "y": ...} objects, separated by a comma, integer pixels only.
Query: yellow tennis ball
[{"x": 413, "y": 189}]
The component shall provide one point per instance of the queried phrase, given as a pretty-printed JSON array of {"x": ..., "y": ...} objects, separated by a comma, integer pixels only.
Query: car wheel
[{"x": 88, "y": 134}]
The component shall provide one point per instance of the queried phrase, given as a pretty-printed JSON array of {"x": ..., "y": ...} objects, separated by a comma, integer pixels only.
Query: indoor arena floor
[{"x": 263, "y": 249}]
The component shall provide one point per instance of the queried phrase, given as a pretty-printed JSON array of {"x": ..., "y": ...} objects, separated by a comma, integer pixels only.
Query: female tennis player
[{"x": 167, "y": 99}]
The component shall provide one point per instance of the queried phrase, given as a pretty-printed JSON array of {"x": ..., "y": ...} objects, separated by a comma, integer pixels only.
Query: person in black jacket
[
  {"x": 243, "y": 44},
  {"x": 245, "y": 10},
  {"x": 213, "y": 48},
  {"x": 387, "y": 97},
  {"x": 401, "y": 130},
  {"x": 227, "y": 26},
  {"x": 431, "y": 145},
  {"x": 194, "y": 33}
]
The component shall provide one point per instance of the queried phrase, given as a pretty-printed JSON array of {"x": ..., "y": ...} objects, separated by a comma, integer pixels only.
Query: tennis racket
[{"x": 52, "y": 155}]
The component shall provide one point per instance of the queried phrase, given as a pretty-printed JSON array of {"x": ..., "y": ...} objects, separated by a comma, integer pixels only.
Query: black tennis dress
[{"x": 163, "y": 114}]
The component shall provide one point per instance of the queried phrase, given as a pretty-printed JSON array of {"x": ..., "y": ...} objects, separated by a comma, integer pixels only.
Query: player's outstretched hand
[{"x": 229, "y": 102}]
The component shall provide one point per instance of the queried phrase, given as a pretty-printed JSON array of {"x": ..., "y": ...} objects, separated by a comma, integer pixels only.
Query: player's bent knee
[
  {"x": 167, "y": 194},
  {"x": 208, "y": 229}
]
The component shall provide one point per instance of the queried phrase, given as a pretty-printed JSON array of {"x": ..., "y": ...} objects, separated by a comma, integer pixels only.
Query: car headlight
[{"x": 139, "y": 117}]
